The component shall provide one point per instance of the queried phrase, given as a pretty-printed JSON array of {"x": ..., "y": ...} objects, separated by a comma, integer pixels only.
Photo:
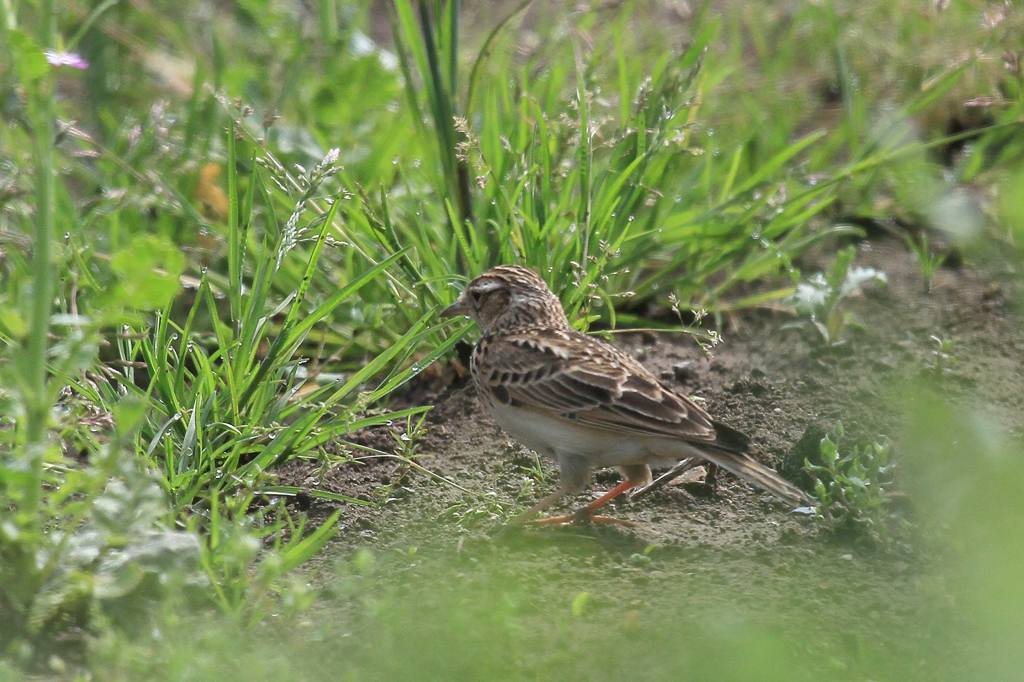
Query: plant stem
[{"x": 36, "y": 402}]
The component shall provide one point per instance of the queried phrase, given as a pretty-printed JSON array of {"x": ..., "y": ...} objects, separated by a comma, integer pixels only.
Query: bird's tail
[{"x": 754, "y": 472}]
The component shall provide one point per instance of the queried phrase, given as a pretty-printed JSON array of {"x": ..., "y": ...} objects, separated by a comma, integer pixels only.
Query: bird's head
[{"x": 509, "y": 297}]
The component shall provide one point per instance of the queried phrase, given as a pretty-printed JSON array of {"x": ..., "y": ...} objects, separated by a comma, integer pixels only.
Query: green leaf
[
  {"x": 302, "y": 551},
  {"x": 148, "y": 270},
  {"x": 129, "y": 413},
  {"x": 294, "y": 490},
  {"x": 12, "y": 322},
  {"x": 29, "y": 60},
  {"x": 829, "y": 451},
  {"x": 579, "y": 603},
  {"x": 819, "y": 490}
]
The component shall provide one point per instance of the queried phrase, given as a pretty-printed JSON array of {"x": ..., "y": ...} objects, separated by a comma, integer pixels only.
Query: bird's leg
[
  {"x": 540, "y": 506},
  {"x": 711, "y": 477},
  {"x": 675, "y": 472},
  {"x": 586, "y": 514}
]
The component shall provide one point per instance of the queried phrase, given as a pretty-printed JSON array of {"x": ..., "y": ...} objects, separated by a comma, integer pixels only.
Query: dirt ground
[{"x": 736, "y": 549}]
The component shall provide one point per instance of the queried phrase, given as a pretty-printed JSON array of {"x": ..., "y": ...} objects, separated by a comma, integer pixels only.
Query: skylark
[{"x": 584, "y": 402}]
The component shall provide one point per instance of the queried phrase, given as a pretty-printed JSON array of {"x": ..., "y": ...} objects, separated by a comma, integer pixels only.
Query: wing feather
[{"x": 575, "y": 377}]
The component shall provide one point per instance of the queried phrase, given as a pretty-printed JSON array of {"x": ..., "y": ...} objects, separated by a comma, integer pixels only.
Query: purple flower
[{"x": 72, "y": 59}]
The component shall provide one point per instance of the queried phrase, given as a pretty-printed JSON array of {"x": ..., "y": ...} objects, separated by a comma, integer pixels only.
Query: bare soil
[{"x": 736, "y": 551}]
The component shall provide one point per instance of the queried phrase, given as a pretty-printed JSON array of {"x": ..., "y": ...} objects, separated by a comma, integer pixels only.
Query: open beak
[{"x": 457, "y": 308}]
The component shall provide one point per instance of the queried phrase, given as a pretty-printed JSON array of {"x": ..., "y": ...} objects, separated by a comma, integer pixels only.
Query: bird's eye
[{"x": 477, "y": 296}]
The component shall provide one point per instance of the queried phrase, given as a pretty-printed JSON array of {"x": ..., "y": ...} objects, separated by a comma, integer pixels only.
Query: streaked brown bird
[{"x": 584, "y": 402}]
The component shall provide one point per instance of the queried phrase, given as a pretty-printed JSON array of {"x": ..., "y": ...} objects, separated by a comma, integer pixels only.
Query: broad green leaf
[{"x": 148, "y": 271}]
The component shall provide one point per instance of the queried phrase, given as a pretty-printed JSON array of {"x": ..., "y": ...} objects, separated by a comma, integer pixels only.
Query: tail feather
[
  {"x": 754, "y": 472},
  {"x": 729, "y": 439}
]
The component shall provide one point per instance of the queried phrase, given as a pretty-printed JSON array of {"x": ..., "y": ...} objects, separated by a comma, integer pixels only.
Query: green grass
[{"x": 224, "y": 243}]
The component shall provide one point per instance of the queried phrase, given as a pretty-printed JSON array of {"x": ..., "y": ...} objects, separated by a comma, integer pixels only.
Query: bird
[{"x": 585, "y": 403}]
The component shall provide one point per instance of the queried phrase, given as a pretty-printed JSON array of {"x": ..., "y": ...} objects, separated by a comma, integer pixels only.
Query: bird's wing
[
  {"x": 568, "y": 375},
  {"x": 573, "y": 376}
]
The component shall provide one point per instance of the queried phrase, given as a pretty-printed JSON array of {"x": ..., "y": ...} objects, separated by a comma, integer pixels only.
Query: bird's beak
[{"x": 457, "y": 308}]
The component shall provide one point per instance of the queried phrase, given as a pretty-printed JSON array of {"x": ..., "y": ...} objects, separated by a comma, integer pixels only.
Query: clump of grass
[
  {"x": 854, "y": 489},
  {"x": 480, "y": 511},
  {"x": 928, "y": 260},
  {"x": 943, "y": 358},
  {"x": 618, "y": 198},
  {"x": 192, "y": 396},
  {"x": 225, "y": 370},
  {"x": 823, "y": 298}
]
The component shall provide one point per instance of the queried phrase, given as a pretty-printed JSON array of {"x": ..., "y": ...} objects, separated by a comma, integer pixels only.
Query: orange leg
[{"x": 586, "y": 514}]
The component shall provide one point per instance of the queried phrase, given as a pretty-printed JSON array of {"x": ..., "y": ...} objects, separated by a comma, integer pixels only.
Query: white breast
[{"x": 553, "y": 435}]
